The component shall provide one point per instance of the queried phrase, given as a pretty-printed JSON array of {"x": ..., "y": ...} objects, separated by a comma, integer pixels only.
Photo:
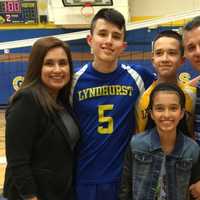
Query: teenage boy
[
  {"x": 103, "y": 96},
  {"x": 167, "y": 57}
]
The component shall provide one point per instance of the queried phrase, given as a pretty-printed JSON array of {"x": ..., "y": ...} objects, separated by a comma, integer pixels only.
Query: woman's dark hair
[
  {"x": 32, "y": 78},
  {"x": 168, "y": 87}
]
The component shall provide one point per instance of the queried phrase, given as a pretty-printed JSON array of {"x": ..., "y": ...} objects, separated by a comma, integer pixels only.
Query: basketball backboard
[
  {"x": 92, "y": 2},
  {"x": 79, "y": 13}
]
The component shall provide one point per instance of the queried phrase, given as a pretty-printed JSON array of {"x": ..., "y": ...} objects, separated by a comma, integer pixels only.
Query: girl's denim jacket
[{"x": 143, "y": 162}]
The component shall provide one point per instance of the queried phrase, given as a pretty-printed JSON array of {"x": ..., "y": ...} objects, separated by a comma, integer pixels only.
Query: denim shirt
[{"x": 147, "y": 157}]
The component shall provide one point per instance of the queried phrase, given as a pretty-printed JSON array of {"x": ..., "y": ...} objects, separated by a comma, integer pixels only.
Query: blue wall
[{"x": 138, "y": 41}]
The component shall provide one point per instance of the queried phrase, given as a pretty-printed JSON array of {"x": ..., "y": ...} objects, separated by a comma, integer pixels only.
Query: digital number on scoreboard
[{"x": 16, "y": 11}]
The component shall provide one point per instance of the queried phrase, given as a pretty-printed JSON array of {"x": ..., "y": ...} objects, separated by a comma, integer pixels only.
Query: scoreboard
[{"x": 18, "y": 12}]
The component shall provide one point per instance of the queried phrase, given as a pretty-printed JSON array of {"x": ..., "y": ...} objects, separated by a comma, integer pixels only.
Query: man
[
  {"x": 167, "y": 57},
  {"x": 103, "y": 96},
  {"x": 191, "y": 41}
]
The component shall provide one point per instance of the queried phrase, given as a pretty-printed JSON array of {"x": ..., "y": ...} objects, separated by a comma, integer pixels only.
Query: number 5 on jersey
[{"x": 108, "y": 121}]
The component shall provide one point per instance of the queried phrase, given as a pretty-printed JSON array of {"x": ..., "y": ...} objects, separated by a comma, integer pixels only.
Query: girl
[{"x": 160, "y": 163}]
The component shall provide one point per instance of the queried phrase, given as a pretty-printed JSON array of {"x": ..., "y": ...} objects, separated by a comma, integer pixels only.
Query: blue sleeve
[{"x": 147, "y": 76}]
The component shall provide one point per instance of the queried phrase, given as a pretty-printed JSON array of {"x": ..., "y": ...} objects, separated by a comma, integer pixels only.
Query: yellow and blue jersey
[
  {"x": 104, "y": 106},
  {"x": 143, "y": 102}
]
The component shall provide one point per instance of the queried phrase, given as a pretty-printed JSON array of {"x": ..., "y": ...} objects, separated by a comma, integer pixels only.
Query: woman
[
  {"x": 161, "y": 162},
  {"x": 41, "y": 133}
]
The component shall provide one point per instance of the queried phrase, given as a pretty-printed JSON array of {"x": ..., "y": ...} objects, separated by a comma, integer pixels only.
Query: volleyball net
[{"x": 14, "y": 54}]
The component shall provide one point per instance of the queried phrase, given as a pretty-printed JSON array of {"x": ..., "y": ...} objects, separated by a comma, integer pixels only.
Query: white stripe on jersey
[
  {"x": 134, "y": 74},
  {"x": 75, "y": 79}
]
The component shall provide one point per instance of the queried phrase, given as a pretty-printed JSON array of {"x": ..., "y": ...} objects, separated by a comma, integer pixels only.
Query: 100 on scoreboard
[{"x": 16, "y": 11}]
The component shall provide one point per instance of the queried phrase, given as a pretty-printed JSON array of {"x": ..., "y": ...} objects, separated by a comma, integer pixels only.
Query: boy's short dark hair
[
  {"x": 170, "y": 34},
  {"x": 194, "y": 23},
  {"x": 110, "y": 15}
]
